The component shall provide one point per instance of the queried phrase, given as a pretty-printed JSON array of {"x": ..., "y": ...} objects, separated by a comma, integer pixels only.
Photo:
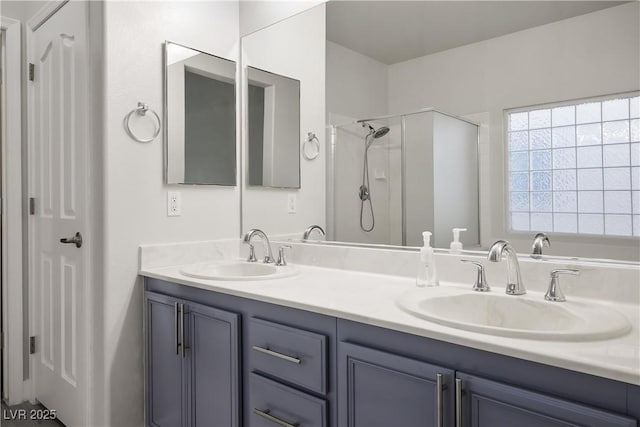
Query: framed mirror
[
  {"x": 273, "y": 123},
  {"x": 200, "y": 117}
]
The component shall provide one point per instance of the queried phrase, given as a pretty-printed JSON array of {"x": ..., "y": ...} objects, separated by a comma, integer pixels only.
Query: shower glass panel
[
  {"x": 423, "y": 175},
  {"x": 380, "y": 212}
]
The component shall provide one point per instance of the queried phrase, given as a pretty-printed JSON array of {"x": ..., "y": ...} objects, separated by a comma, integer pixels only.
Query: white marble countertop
[{"x": 370, "y": 298}]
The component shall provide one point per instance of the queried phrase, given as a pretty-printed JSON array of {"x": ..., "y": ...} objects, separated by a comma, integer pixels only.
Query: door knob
[{"x": 76, "y": 240}]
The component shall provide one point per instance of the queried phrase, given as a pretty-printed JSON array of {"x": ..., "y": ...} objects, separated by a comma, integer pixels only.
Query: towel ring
[
  {"x": 141, "y": 110},
  {"x": 311, "y": 147}
]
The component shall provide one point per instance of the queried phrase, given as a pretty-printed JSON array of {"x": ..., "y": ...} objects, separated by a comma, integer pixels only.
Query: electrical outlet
[
  {"x": 173, "y": 203},
  {"x": 292, "y": 203}
]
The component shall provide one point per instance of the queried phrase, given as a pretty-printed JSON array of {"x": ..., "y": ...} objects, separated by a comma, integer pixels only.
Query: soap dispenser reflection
[
  {"x": 427, "y": 275},
  {"x": 456, "y": 245}
]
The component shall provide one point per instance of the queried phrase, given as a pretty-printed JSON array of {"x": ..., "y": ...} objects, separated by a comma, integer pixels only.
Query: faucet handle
[
  {"x": 481, "y": 284},
  {"x": 282, "y": 260},
  {"x": 554, "y": 293},
  {"x": 252, "y": 253}
]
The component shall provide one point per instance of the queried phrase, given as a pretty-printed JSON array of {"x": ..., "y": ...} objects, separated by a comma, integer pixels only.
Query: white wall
[
  {"x": 589, "y": 55},
  {"x": 134, "y": 193},
  {"x": 255, "y": 15},
  {"x": 293, "y": 48},
  {"x": 356, "y": 84}
]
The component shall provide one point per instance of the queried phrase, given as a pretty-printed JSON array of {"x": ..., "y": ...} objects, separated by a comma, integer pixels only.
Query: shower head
[
  {"x": 380, "y": 132},
  {"x": 375, "y": 133}
]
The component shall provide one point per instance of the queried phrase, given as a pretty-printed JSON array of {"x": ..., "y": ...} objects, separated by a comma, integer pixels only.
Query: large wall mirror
[
  {"x": 505, "y": 118},
  {"x": 273, "y": 122},
  {"x": 200, "y": 117}
]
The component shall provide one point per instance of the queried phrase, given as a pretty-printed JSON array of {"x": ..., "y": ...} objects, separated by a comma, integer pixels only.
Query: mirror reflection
[
  {"x": 273, "y": 116},
  {"x": 419, "y": 172},
  {"x": 200, "y": 123},
  {"x": 529, "y": 75}
]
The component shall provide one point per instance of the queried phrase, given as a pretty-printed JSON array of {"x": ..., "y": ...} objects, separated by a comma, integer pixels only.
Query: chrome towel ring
[
  {"x": 141, "y": 110},
  {"x": 311, "y": 146}
]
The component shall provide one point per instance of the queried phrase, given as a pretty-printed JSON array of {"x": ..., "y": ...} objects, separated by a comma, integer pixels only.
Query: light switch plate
[
  {"x": 174, "y": 203},
  {"x": 292, "y": 203}
]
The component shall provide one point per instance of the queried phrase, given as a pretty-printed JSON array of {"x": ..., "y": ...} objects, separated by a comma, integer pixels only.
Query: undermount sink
[
  {"x": 515, "y": 316},
  {"x": 238, "y": 270}
]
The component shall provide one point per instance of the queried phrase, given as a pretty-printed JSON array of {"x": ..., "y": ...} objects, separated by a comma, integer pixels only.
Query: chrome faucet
[
  {"x": 514, "y": 280},
  {"x": 268, "y": 258},
  {"x": 310, "y": 229},
  {"x": 539, "y": 242}
]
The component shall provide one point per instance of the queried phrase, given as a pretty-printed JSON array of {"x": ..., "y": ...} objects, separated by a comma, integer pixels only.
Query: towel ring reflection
[
  {"x": 311, "y": 147},
  {"x": 141, "y": 110}
]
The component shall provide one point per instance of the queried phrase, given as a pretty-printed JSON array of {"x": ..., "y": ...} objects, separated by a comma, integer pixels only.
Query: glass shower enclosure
[{"x": 389, "y": 187}]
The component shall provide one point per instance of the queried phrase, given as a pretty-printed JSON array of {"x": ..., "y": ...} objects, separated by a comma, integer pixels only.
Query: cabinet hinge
[
  {"x": 32, "y": 345},
  {"x": 32, "y": 72},
  {"x": 32, "y": 206}
]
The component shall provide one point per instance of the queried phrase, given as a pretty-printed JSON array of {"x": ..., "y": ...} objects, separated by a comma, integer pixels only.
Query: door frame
[
  {"x": 11, "y": 193},
  {"x": 93, "y": 202}
]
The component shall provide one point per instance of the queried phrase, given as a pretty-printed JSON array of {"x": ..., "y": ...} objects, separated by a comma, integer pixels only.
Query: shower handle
[{"x": 364, "y": 193}]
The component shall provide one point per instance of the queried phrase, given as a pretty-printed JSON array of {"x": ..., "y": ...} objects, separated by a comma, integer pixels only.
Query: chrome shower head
[
  {"x": 375, "y": 133},
  {"x": 380, "y": 132}
]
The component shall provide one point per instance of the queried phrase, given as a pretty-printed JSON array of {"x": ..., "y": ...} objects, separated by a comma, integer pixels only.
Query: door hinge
[
  {"x": 32, "y": 72},
  {"x": 32, "y": 206},
  {"x": 32, "y": 345}
]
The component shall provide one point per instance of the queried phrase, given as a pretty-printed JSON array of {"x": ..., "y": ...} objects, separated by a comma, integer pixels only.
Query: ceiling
[{"x": 396, "y": 31}]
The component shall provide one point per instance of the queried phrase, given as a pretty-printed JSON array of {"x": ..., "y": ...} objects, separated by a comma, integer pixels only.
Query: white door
[{"x": 58, "y": 175}]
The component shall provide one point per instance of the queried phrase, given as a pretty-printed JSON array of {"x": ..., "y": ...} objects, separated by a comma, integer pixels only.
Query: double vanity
[{"x": 341, "y": 336}]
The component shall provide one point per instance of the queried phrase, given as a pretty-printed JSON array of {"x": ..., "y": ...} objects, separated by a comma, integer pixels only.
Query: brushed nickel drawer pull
[
  {"x": 439, "y": 400},
  {"x": 286, "y": 357},
  {"x": 267, "y": 414},
  {"x": 176, "y": 311},
  {"x": 458, "y": 402}
]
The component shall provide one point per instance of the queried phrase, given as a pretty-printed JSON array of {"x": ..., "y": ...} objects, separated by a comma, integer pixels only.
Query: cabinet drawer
[
  {"x": 293, "y": 355},
  {"x": 274, "y": 404}
]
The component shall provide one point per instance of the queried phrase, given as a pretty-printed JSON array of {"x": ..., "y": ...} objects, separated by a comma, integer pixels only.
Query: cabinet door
[
  {"x": 165, "y": 397},
  {"x": 212, "y": 349},
  {"x": 384, "y": 389},
  {"x": 487, "y": 403}
]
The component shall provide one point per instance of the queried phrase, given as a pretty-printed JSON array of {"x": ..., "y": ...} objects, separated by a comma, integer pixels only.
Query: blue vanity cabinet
[
  {"x": 269, "y": 340},
  {"x": 381, "y": 389},
  {"x": 283, "y": 365},
  {"x": 193, "y": 369},
  {"x": 532, "y": 394},
  {"x": 485, "y": 403}
]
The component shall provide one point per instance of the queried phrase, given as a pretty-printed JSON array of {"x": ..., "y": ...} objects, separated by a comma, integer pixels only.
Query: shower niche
[{"x": 394, "y": 177}]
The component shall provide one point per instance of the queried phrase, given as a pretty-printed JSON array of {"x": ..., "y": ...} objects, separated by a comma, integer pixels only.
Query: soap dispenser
[
  {"x": 427, "y": 275},
  {"x": 456, "y": 245}
]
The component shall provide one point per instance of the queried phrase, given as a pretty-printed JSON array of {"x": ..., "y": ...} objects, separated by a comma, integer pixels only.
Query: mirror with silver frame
[
  {"x": 553, "y": 88},
  {"x": 273, "y": 124},
  {"x": 200, "y": 117}
]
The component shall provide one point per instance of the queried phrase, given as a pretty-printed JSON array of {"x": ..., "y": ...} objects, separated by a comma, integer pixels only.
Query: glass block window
[{"x": 575, "y": 167}]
